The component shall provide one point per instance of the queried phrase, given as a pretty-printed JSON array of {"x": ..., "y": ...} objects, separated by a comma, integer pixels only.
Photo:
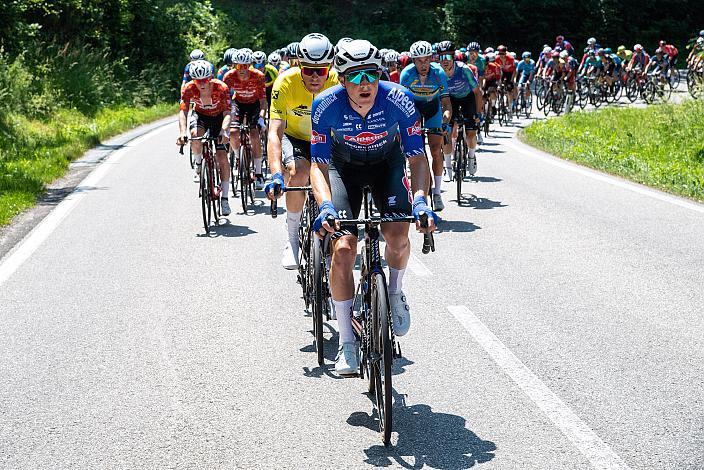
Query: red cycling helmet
[
  {"x": 403, "y": 60},
  {"x": 501, "y": 49},
  {"x": 459, "y": 55}
]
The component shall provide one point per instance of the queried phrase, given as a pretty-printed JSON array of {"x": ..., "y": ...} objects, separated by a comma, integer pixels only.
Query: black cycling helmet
[
  {"x": 445, "y": 46},
  {"x": 474, "y": 46}
]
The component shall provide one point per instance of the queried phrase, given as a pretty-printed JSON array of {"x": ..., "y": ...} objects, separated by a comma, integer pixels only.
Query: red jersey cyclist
[
  {"x": 250, "y": 104},
  {"x": 212, "y": 112}
]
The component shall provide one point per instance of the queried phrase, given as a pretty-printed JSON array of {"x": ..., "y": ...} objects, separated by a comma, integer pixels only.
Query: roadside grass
[
  {"x": 661, "y": 146},
  {"x": 35, "y": 152}
]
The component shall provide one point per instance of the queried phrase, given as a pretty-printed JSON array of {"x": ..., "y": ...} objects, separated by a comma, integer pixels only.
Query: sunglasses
[
  {"x": 356, "y": 76},
  {"x": 310, "y": 71},
  {"x": 203, "y": 81},
  {"x": 241, "y": 66},
  {"x": 446, "y": 57}
]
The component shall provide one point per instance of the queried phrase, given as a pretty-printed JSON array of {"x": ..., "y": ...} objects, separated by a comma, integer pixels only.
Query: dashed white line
[
  {"x": 612, "y": 180},
  {"x": 21, "y": 253},
  {"x": 417, "y": 267},
  {"x": 599, "y": 454}
]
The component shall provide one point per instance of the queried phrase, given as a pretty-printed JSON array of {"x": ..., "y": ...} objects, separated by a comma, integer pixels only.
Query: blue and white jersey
[
  {"x": 435, "y": 85},
  {"x": 338, "y": 130},
  {"x": 525, "y": 69},
  {"x": 462, "y": 82}
]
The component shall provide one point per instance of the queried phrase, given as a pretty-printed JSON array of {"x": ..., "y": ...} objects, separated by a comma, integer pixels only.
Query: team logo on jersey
[
  {"x": 316, "y": 138},
  {"x": 414, "y": 129},
  {"x": 365, "y": 138},
  {"x": 301, "y": 110},
  {"x": 275, "y": 95}
]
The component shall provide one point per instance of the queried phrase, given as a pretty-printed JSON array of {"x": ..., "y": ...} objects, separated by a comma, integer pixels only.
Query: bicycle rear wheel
[
  {"x": 249, "y": 181},
  {"x": 381, "y": 356}
]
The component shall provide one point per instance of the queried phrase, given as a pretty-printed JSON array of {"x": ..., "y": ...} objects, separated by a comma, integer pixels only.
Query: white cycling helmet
[
  {"x": 391, "y": 57},
  {"x": 274, "y": 59},
  {"x": 488, "y": 50},
  {"x": 355, "y": 53},
  {"x": 243, "y": 56},
  {"x": 200, "y": 69},
  {"x": 564, "y": 54},
  {"x": 700, "y": 41},
  {"x": 229, "y": 55},
  {"x": 591, "y": 41},
  {"x": 421, "y": 49},
  {"x": 315, "y": 48},
  {"x": 292, "y": 49},
  {"x": 491, "y": 56},
  {"x": 197, "y": 54},
  {"x": 637, "y": 48},
  {"x": 547, "y": 50},
  {"x": 259, "y": 57}
]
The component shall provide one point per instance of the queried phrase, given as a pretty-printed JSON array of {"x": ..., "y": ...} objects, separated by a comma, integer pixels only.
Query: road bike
[
  {"x": 525, "y": 105},
  {"x": 209, "y": 182},
  {"x": 372, "y": 322},
  {"x": 311, "y": 273},
  {"x": 460, "y": 158},
  {"x": 243, "y": 182},
  {"x": 657, "y": 88}
]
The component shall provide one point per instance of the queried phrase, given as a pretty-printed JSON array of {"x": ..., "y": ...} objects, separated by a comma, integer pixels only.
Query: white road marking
[
  {"x": 417, "y": 267},
  {"x": 599, "y": 454},
  {"x": 612, "y": 180},
  {"x": 24, "y": 249}
]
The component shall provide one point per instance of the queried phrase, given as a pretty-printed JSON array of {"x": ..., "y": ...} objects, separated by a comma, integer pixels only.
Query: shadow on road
[
  {"x": 227, "y": 229},
  {"x": 456, "y": 226},
  {"x": 425, "y": 438},
  {"x": 483, "y": 179},
  {"x": 480, "y": 203},
  {"x": 495, "y": 151}
]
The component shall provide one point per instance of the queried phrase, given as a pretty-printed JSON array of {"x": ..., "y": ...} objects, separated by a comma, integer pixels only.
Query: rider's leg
[
  {"x": 256, "y": 150},
  {"x": 435, "y": 142}
]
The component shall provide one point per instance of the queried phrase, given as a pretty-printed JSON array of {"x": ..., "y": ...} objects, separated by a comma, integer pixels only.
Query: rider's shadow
[{"x": 426, "y": 438}]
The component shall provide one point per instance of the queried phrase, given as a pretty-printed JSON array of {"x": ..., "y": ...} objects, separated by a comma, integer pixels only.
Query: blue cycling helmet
[
  {"x": 463, "y": 50},
  {"x": 526, "y": 55},
  {"x": 608, "y": 51}
]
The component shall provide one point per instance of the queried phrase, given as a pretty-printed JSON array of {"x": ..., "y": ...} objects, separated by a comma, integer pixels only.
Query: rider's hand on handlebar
[
  {"x": 421, "y": 206},
  {"x": 322, "y": 222},
  {"x": 182, "y": 139},
  {"x": 224, "y": 136},
  {"x": 275, "y": 188}
]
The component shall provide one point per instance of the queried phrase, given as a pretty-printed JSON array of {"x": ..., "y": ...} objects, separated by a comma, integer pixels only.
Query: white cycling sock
[
  {"x": 448, "y": 160},
  {"x": 198, "y": 158},
  {"x": 396, "y": 280},
  {"x": 470, "y": 153},
  {"x": 258, "y": 166},
  {"x": 343, "y": 311},
  {"x": 436, "y": 185},
  {"x": 225, "y": 189},
  {"x": 293, "y": 221}
]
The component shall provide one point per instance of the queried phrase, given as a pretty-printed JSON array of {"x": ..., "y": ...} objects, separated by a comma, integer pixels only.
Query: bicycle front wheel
[
  {"x": 381, "y": 356},
  {"x": 319, "y": 298},
  {"x": 459, "y": 165},
  {"x": 205, "y": 197}
]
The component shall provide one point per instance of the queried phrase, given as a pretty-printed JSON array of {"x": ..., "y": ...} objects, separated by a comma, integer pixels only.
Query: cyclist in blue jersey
[
  {"x": 196, "y": 54},
  {"x": 526, "y": 71},
  {"x": 466, "y": 100},
  {"x": 229, "y": 59},
  {"x": 428, "y": 83},
  {"x": 363, "y": 132}
]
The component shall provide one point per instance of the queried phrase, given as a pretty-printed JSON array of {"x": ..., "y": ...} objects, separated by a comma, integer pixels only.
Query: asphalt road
[{"x": 558, "y": 326}]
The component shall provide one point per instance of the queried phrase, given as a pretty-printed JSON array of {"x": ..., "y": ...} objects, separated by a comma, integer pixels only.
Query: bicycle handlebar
[
  {"x": 274, "y": 208},
  {"x": 428, "y": 239}
]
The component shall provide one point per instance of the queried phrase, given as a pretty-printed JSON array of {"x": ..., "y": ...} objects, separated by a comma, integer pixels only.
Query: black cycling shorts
[
  {"x": 388, "y": 183},
  {"x": 468, "y": 107},
  {"x": 211, "y": 123},
  {"x": 507, "y": 80},
  {"x": 240, "y": 111},
  {"x": 293, "y": 149}
]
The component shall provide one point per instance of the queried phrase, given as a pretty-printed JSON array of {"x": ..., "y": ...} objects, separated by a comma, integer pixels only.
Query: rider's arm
[
  {"x": 320, "y": 183},
  {"x": 273, "y": 148},
  {"x": 183, "y": 117}
]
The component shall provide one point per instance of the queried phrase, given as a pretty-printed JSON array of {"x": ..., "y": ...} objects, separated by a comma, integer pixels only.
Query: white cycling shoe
[
  {"x": 472, "y": 165},
  {"x": 225, "y": 206},
  {"x": 196, "y": 176},
  {"x": 347, "y": 362},
  {"x": 401, "y": 313},
  {"x": 448, "y": 174},
  {"x": 289, "y": 259}
]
